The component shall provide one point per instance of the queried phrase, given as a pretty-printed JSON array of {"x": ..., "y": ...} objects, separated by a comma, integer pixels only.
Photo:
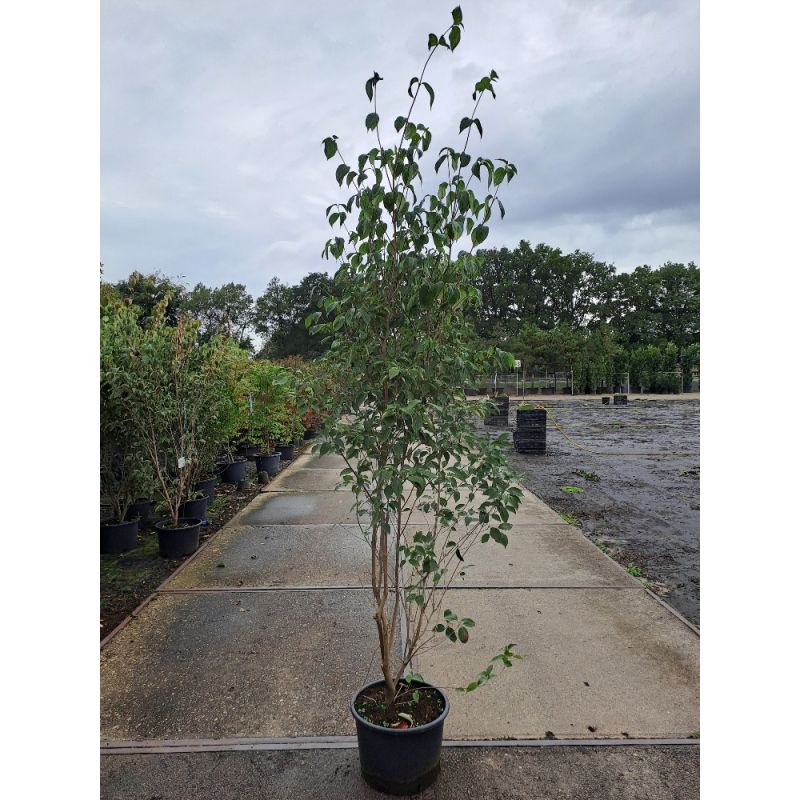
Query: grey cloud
[{"x": 213, "y": 114}]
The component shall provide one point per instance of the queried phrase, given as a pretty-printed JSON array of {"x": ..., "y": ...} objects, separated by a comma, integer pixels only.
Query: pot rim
[
  {"x": 110, "y": 522},
  {"x": 195, "y": 523},
  {"x": 400, "y": 731}
]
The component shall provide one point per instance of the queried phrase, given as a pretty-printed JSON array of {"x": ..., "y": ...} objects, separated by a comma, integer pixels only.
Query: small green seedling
[
  {"x": 568, "y": 518},
  {"x": 601, "y": 546},
  {"x": 593, "y": 477},
  {"x": 572, "y": 489},
  {"x": 632, "y": 569}
]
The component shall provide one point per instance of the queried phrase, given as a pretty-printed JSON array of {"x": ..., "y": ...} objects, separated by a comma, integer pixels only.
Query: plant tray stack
[
  {"x": 620, "y": 399},
  {"x": 531, "y": 433},
  {"x": 500, "y": 416}
]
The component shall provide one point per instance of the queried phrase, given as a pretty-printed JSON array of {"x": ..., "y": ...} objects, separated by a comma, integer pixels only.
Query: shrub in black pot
[
  {"x": 178, "y": 392},
  {"x": 206, "y": 486},
  {"x": 233, "y": 471},
  {"x": 125, "y": 472},
  {"x": 178, "y": 538},
  {"x": 399, "y": 345},
  {"x": 269, "y": 463},
  {"x": 194, "y": 507},
  {"x": 286, "y": 451},
  {"x": 140, "y": 509},
  {"x": 118, "y": 537}
]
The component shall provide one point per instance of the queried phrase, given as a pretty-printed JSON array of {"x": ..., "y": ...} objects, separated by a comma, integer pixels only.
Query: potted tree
[
  {"x": 269, "y": 386},
  {"x": 123, "y": 469},
  {"x": 399, "y": 346},
  {"x": 175, "y": 388}
]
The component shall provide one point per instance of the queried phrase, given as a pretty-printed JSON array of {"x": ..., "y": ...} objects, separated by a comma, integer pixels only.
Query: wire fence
[{"x": 527, "y": 383}]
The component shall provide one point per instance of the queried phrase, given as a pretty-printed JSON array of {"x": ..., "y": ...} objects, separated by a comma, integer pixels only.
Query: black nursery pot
[
  {"x": 206, "y": 486},
  {"x": 195, "y": 508},
  {"x": 234, "y": 471},
  {"x": 176, "y": 542},
  {"x": 310, "y": 433},
  {"x": 286, "y": 451},
  {"x": 118, "y": 537},
  {"x": 140, "y": 510},
  {"x": 399, "y": 760},
  {"x": 270, "y": 463}
]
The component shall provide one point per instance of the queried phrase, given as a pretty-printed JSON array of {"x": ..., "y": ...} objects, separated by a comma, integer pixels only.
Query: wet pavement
[{"x": 267, "y": 632}]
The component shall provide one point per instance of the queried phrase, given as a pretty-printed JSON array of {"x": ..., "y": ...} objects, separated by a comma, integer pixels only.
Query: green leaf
[
  {"x": 429, "y": 89},
  {"x": 341, "y": 171},
  {"x": 465, "y": 123},
  {"x": 399, "y": 122},
  {"x": 393, "y": 372},
  {"x": 330, "y": 148},
  {"x": 499, "y": 536},
  {"x": 433, "y": 40},
  {"x": 479, "y": 234},
  {"x": 427, "y": 295},
  {"x": 371, "y": 121},
  {"x": 499, "y": 175},
  {"x": 457, "y": 16},
  {"x": 455, "y": 37}
]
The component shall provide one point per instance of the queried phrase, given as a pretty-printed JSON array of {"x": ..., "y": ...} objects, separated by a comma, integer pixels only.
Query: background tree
[
  {"x": 281, "y": 311},
  {"x": 147, "y": 291},
  {"x": 226, "y": 310}
]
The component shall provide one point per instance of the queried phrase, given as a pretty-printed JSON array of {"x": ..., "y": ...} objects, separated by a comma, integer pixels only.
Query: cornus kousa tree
[{"x": 399, "y": 348}]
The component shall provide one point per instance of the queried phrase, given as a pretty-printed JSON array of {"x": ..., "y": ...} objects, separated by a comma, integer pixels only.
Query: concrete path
[{"x": 267, "y": 632}]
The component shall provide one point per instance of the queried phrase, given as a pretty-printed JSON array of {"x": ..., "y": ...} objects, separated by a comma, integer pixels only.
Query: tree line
[{"x": 556, "y": 311}]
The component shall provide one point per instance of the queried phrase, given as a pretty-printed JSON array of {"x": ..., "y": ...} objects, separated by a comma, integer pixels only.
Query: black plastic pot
[
  {"x": 176, "y": 542},
  {"x": 286, "y": 451},
  {"x": 140, "y": 510},
  {"x": 620, "y": 399},
  {"x": 206, "y": 486},
  {"x": 399, "y": 760},
  {"x": 234, "y": 471},
  {"x": 605, "y": 400},
  {"x": 118, "y": 537},
  {"x": 195, "y": 508},
  {"x": 270, "y": 463},
  {"x": 548, "y": 389},
  {"x": 310, "y": 433}
]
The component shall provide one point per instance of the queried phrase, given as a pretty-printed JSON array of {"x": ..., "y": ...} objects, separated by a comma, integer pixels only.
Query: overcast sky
[{"x": 213, "y": 112}]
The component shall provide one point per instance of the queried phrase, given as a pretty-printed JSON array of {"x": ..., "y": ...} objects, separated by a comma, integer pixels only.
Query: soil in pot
[
  {"x": 180, "y": 540},
  {"x": 195, "y": 509},
  {"x": 118, "y": 537},
  {"x": 398, "y": 755},
  {"x": 234, "y": 471},
  {"x": 269, "y": 463},
  {"x": 141, "y": 510}
]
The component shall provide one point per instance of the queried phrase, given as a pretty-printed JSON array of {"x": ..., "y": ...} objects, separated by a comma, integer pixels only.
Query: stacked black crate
[
  {"x": 498, "y": 417},
  {"x": 531, "y": 433}
]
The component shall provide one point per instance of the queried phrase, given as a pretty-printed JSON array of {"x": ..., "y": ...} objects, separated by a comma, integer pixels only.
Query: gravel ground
[{"x": 643, "y": 511}]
